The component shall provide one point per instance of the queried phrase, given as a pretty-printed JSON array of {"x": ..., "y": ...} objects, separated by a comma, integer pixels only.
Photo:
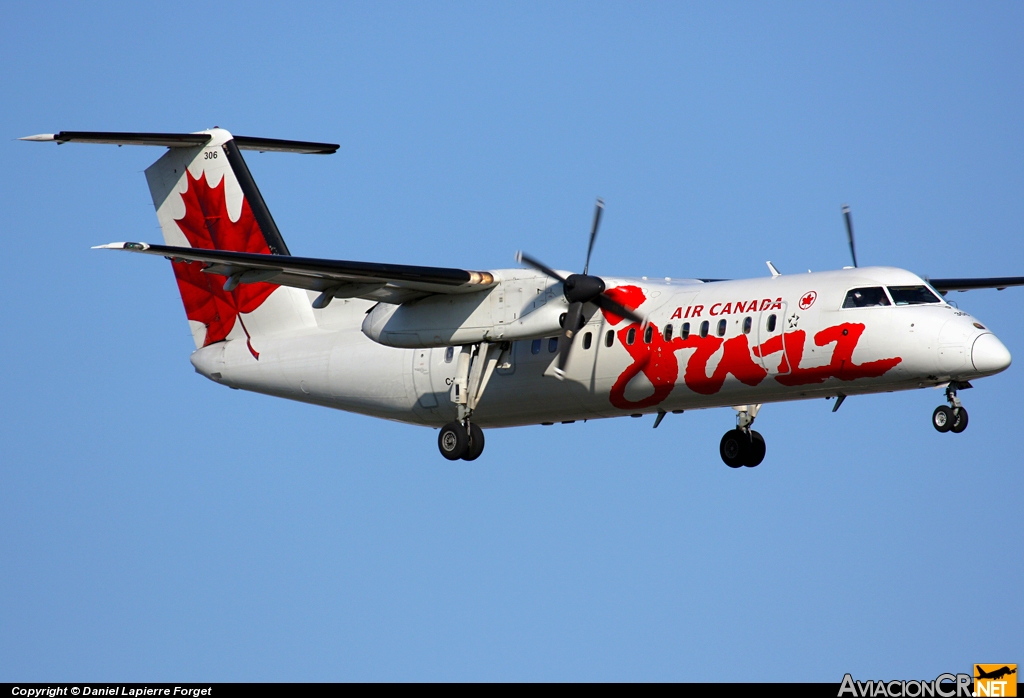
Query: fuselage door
[{"x": 421, "y": 378}]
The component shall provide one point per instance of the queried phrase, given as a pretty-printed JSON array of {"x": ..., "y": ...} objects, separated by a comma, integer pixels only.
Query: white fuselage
[{"x": 783, "y": 338}]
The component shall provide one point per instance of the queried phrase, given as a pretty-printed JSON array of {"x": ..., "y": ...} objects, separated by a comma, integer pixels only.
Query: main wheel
[
  {"x": 476, "y": 443},
  {"x": 757, "y": 450},
  {"x": 959, "y": 420},
  {"x": 453, "y": 441},
  {"x": 734, "y": 448},
  {"x": 942, "y": 419}
]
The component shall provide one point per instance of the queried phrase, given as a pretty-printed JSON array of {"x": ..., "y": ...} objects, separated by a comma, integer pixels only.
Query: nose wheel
[
  {"x": 952, "y": 418},
  {"x": 461, "y": 441},
  {"x": 743, "y": 446}
]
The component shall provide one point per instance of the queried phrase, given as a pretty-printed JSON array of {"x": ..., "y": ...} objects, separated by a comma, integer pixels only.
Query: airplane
[
  {"x": 460, "y": 350},
  {"x": 996, "y": 674}
]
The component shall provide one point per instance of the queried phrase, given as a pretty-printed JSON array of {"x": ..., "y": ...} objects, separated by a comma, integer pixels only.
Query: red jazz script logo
[
  {"x": 807, "y": 300},
  {"x": 208, "y": 226},
  {"x": 655, "y": 356}
]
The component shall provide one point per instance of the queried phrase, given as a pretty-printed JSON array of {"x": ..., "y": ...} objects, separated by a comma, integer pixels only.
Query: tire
[
  {"x": 942, "y": 419},
  {"x": 734, "y": 448},
  {"x": 476, "y": 443},
  {"x": 453, "y": 441},
  {"x": 757, "y": 450},
  {"x": 959, "y": 420}
]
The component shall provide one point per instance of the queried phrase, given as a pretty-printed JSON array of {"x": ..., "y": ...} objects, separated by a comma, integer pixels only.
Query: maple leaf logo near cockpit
[{"x": 208, "y": 226}]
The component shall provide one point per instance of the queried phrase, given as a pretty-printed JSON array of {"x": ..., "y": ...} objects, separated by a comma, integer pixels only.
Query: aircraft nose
[{"x": 989, "y": 355}]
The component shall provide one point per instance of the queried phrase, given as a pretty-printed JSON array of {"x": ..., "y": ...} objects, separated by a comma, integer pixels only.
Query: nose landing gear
[
  {"x": 954, "y": 417},
  {"x": 743, "y": 446}
]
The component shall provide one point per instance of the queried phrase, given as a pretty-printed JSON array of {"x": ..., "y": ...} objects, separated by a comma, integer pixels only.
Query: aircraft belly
[{"x": 370, "y": 378}]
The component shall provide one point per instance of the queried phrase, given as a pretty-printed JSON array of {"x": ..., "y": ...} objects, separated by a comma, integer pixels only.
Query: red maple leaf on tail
[{"x": 207, "y": 225}]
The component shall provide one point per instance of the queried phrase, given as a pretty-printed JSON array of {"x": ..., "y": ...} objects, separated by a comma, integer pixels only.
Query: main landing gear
[
  {"x": 954, "y": 417},
  {"x": 462, "y": 439},
  {"x": 743, "y": 446}
]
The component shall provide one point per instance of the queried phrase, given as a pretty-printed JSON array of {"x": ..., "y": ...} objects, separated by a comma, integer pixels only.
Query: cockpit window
[
  {"x": 866, "y": 297},
  {"x": 912, "y": 295}
]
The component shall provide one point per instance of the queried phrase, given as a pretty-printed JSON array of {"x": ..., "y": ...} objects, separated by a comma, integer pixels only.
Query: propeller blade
[
  {"x": 616, "y": 308},
  {"x": 531, "y": 262},
  {"x": 572, "y": 323},
  {"x": 849, "y": 232},
  {"x": 598, "y": 210}
]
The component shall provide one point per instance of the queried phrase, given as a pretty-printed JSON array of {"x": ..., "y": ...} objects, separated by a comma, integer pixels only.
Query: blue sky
[{"x": 154, "y": 526}]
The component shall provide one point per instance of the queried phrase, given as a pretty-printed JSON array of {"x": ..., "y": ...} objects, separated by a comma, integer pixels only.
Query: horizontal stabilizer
[
  {"x": 388, "y": 283},
  {"x": 183, "y": 140}
]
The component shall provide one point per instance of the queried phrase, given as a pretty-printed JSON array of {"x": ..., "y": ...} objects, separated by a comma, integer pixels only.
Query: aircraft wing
[
  {"x": 996, "y": 282},
  {"x": 388, "y": 283}
]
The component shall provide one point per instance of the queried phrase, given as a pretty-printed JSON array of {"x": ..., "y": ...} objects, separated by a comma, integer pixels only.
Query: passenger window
[
  {"x": 648, "y": 334},
  {"x": 553, "y": 345},
  {"x": 748, "y": 323},
  {"x": 704, "y": 328},
  {"x": 668, "y": 332},
  {"x": 587, "y": 339},
  {"x": 449, "y": 354},
  {"x": 721, "y": 327},
  {"x": 912, "y": 295},
  {"x": 535, "y": 347},
  {"x": 866, "y": 297},
  {"x": 771, "y": 323},
  {"x": 631, "y": 336},
  {"x": 609, "y": 338},
  {"x": 686, "y": 330}
]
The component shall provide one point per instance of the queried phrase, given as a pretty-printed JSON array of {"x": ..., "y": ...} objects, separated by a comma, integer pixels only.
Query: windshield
[
  {"x": 912, "y": 295},
  {"x": 865, "y": 297}
]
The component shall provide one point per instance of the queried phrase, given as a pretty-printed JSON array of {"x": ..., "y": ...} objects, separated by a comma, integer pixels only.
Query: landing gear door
[{"x": 771, "y": 340}]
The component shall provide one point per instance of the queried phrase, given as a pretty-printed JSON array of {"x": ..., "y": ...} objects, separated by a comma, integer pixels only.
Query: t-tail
[{"x": 205, "y": 197}]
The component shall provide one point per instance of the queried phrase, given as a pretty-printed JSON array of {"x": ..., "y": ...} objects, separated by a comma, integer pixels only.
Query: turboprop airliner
[{"x": 461, "y": 350}]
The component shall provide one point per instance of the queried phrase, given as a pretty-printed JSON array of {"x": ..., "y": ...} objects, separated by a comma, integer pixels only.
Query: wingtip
[
  {"x": 519, "y": 256},
  {"x": 40, "y": 137}
]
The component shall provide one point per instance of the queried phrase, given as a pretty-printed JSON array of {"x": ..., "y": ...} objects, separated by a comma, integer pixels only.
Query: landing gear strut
[
  {"x": 463, "y": 439},
  {"x": 743, "y": 446},
  {"x": 954, "y": 417}
]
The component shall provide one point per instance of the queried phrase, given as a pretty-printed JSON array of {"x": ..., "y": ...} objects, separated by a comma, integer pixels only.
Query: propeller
[
  {"x": 580, "y": 289},
  {"x": 849, "y": 232}
]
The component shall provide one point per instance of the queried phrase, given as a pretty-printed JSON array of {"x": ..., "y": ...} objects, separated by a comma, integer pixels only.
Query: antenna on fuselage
[{"x": 849, "y": 232}]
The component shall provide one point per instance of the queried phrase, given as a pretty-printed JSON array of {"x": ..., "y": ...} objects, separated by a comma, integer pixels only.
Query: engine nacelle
[{"x": 521, "y": 306}]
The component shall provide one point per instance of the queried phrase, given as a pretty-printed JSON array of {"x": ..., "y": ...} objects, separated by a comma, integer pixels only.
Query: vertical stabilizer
[{"x": 205, "y": 197}]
